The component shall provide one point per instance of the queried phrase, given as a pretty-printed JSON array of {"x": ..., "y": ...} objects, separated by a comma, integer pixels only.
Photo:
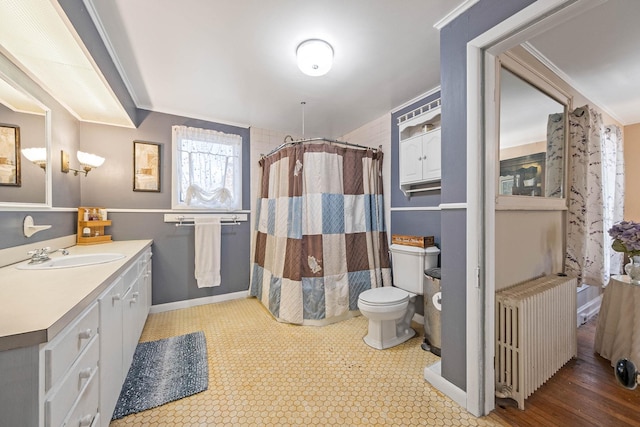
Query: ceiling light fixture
[
  {"x": 88, "y": 161},
  {"x": 315, "y": 57},
  {"x": 36, "y": 155}
]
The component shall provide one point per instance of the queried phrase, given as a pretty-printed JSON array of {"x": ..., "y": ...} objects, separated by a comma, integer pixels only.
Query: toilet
[{"x": 391, "y": 308}]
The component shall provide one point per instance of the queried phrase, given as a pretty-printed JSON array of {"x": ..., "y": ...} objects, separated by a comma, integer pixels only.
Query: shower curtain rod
[{"x": 333, "y": 141}]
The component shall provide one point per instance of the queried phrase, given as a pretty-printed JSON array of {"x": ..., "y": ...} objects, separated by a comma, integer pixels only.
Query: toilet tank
[{"x": 408, "y": 264}]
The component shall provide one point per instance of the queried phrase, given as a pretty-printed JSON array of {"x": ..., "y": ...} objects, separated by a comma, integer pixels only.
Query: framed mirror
[
  {"x": 21, "y": 111},
  {"x": 532, "y": 136}
]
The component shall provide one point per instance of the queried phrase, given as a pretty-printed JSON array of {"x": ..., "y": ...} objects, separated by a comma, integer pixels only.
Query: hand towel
[{"x": 207, "y": 249}]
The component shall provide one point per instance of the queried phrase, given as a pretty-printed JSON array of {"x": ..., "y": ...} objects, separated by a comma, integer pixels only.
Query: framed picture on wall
[
  {"x": 10, "y": 155},
  {"x": 146, "y": 166}
]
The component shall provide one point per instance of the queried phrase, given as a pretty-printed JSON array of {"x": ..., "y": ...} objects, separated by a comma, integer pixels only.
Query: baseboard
[
  {"x": 159, "y": 308},
  {"x": 589, "y": 310},
  {"x": 433, "y": 376}
]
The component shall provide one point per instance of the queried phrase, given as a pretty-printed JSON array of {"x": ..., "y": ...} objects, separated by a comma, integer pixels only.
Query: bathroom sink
[{"x": 69, "y": 261}]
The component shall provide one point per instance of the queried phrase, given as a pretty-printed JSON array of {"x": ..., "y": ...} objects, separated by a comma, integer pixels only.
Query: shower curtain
[
  {"x": 596, "y": 197},
  {"x": 319, "y": 234}
]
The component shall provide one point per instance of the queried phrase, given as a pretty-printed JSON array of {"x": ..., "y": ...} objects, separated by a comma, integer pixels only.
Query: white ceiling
[
  {"x": 598, "y": 53},
  {"x": 234, "y": 61}
]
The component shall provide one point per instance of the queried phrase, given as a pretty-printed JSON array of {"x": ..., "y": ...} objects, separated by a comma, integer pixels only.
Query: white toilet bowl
[{"x": 389, "y": 311}]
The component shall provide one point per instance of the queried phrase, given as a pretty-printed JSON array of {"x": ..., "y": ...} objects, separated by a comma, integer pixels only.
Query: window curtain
[
  {"x": 555, "y": 159},
  {"x": 595, "y": 197},
  {"x": 207, "y": 168},
  {"x": 320, "y": 238},
  {"x": 613, "y": 192}
]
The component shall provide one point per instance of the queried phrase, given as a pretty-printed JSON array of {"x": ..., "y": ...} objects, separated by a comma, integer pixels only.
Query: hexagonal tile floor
[{"x": 266, "y": 373}]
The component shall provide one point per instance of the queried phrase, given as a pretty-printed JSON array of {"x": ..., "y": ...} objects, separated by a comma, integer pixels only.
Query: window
[{"x": 207, "y": 169}]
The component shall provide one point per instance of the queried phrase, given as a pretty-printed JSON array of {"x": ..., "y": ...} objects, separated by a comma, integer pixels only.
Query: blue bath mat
[{"x": 163, "y": 371}]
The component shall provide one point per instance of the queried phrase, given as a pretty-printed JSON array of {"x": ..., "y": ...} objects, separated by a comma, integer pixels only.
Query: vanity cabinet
[
  {"x": 419, "y": 150},
  {"x": 74, "y": 376},
  {"x": 124, "y": 307}
]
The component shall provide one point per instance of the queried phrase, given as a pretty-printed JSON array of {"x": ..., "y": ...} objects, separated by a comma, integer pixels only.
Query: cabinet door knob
[
  {"x": 116, "y": 297},
  {"x": 85, "y": 373},
  {"x": 85, "y": 335},
  {"x": 86, "y": 420}
]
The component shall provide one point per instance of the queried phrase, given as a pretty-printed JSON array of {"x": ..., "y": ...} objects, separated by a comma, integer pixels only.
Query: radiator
[{"x": 536, "y": 334}]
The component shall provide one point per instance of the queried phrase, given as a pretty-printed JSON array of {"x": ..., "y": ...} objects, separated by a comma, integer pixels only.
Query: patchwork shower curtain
[{"x": 320, "y": 237}]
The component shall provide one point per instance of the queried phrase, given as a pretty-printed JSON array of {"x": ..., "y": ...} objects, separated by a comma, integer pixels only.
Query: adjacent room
[{"x": 414, "y": 212}]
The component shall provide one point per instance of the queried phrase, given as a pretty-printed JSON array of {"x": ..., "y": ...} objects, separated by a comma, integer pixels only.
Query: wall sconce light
[
  {"x": 315, "y": 57},
  {"x": 36, "y": 155},
  {"x": 88, "y": 161}
]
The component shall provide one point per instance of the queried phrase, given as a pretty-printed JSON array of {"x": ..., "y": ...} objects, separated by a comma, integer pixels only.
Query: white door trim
[{"x": 481, "y": 190}]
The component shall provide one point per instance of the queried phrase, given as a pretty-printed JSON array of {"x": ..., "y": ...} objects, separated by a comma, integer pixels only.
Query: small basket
[{"x": 417, "y": 241}]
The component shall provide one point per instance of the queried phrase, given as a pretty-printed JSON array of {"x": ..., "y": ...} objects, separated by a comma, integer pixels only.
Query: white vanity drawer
[
  {"x": 85, "y": 412},
  {"x": 84, "y": 371},
  {"x": 65, "y": 348}
]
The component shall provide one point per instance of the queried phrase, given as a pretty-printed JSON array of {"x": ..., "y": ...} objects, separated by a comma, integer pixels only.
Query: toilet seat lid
[{"x": 384, "y": 296}]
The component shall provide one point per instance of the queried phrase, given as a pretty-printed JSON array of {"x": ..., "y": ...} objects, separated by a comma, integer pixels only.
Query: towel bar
[{"x": 223, "y": 221}]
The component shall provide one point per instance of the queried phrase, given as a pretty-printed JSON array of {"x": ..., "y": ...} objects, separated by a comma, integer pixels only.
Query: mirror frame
[
  {"x": 12, "y": 75},
  {"x": 544, "y": 85}
]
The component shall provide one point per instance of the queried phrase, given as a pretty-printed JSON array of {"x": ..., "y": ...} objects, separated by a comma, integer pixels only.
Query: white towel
[{"x": 207, "y": 248}]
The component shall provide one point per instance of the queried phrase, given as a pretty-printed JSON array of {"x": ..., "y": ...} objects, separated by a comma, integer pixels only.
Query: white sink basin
[{"x": 69, "y": 261}]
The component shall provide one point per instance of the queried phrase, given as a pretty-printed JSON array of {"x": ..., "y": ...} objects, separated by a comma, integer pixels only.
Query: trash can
[{"x": 432, "y": 310}]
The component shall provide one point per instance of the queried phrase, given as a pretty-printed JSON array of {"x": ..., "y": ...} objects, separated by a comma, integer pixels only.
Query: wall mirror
[
  {"x": 532, "y": 138},
  {"x": 23, "y": 184}
]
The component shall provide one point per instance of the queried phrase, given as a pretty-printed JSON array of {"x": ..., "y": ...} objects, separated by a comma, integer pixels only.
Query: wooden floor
[{"x": 583, "y": 393}]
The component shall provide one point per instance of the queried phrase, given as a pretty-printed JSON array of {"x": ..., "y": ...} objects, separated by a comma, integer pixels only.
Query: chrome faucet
[{"x": 41, "y": 255}]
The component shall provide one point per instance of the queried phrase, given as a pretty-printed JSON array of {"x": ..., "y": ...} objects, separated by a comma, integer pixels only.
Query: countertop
[{"x": 35, "y": 305}]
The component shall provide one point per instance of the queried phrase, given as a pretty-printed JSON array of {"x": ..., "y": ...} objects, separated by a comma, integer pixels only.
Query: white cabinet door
[
  {"x": 431, "y": 169},
  {"x": 130, "y": 333},
  {"x": 123, "y": 311},
  {"x": 111, "y": 375},
  {"x": 410, "y": 164},
  {"x": 144, "y": 287}
]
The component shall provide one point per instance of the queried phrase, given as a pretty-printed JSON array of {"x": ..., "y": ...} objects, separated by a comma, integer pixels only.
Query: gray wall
[
  {"x": 111, "y": 186},
  {"x": 453, "y": 65},
  {"x": 173, "y": 255},
  {"x": 62, "y": 224}
]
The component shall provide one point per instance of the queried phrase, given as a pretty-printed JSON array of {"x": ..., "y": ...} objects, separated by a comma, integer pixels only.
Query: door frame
[{"x": 482, "y": 137}]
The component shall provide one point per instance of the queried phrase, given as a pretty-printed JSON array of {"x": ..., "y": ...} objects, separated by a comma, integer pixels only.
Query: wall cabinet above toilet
[{"x": 419, "y": 150}]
